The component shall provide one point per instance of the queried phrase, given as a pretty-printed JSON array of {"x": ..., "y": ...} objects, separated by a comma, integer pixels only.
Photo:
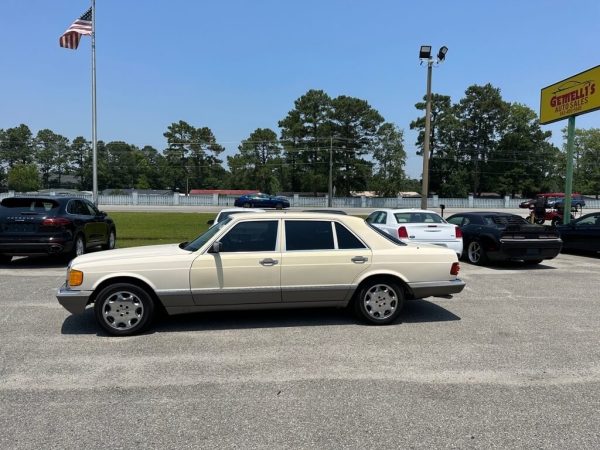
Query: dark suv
[{"x": 52, "y": 225}]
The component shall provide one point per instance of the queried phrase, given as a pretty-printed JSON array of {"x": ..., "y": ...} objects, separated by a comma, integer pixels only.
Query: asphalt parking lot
[{"x": 512, "y": 362}]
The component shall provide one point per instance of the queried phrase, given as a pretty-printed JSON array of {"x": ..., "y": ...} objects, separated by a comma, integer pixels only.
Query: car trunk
[
  {"x": 430, "y": 232},
  {"x": 27, "y": 216}
]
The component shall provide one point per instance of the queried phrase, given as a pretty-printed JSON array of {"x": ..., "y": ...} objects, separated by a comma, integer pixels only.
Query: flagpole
[{"x": 94, "y": 135}]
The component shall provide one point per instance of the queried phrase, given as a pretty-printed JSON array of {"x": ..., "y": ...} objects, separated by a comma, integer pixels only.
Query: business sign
[{"x": 576, "y": 95}]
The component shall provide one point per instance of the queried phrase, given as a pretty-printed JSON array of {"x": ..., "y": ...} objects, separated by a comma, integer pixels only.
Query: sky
[{"x": 235, "y": 65}]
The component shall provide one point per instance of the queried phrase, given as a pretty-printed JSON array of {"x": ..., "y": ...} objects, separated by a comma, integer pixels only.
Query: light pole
[{"x": 425, "y": 55}]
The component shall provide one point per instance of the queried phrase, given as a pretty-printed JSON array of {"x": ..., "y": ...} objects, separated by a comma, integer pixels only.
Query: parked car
[
  {"x": 554, "y": 200},
  {"x": 577, "y": 202},
  {"x": 581, "y": 234},
  {"x": 259, "y": 261},
  {"x": 529, "y": 204},
  {"x": 496, "y": 236},
  {"x": 418, "y": 225},
  {"x": 52, "y": 226},
  {"x": 262, "y": 201},
  {"x": 224, "y": 213}
]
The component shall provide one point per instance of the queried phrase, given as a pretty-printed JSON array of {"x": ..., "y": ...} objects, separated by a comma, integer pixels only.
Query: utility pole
[{"x": 330, "y": 197}]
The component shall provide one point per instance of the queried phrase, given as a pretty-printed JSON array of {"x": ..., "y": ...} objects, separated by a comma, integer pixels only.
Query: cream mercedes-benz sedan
[{"x": 260, "y": 261}]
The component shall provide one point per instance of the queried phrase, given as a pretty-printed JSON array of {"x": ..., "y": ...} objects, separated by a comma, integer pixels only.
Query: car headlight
[{"x": 74, "y": 277}]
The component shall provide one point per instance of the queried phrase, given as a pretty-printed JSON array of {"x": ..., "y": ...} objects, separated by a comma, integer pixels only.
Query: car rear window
[
  {"x": 502, "y": 221},
  {"x": 34, "y": 205},
  {"x": 418, "y": 217}
]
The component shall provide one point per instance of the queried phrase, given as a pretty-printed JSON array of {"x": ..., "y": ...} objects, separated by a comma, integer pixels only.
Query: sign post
[{"x": 568, "y": 98}]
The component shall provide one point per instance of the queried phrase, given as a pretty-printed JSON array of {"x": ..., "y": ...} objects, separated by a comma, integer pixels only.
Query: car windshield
[{"x": 206, "y": 236}]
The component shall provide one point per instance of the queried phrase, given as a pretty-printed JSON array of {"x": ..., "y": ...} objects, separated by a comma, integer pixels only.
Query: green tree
[
  {"x": 587, "y": 161},
  {"x": 306, "y": 132},
  {"x": 23, "y": 177},
  {"x": 81, "y": 162},
  {"x": 390, "y": 157},
  {"x": 16, "y": 146},
  {"x": 524, "y": 161},
  {"x": 192, "y": 157},
  {"x": 52, "y": 155},
  {"x": 482, "y": 114},
  {"x": 258, "y": 163}
]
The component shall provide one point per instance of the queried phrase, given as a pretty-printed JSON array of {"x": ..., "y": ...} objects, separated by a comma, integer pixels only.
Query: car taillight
[
  {"x": 56, "y": 222},
  {"x": 458, "y": 233},
  {"x": 455, "y": 268},
  {"x": 402, "y": 233}
]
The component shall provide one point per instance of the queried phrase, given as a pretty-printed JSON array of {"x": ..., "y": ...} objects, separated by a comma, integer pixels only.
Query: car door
[
  {"x": 585, "y": 233},
  {"x": 83, "y": 220},
  {"x": 320, "y": 261},
  {"x": 97, "y": 226},
  {"x": 246, "y": 269}
]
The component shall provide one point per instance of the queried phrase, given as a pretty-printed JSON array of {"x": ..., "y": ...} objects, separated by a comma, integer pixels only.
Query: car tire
[
  {"x": 5, "y": 259},
  {"x": 246, "y": 205},
  {"x": 379, "y": 302},
  {"x": 555, "y": 221},
  {"x": 279, "y": 206},
  {"x": 124, "y": 309},
  {"x": 78, "y": 246},
  {"x": 539, "y": 220},
  {"x": 111, "y": 241},
  {"x": 476, "y": 253}
]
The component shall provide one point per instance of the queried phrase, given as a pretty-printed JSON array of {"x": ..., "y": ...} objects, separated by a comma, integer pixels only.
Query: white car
[
  {"x": 260, "y": 261},
  {"x": 418, "y": 225},
  {"x": 225, "y": 213}
]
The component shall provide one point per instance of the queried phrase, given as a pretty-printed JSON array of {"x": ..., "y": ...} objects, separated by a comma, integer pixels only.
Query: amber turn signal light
[{"x": 75, "y": 277}]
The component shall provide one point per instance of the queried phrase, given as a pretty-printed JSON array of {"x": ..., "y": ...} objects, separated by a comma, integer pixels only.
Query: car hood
[{"x": 146, "y": 251}]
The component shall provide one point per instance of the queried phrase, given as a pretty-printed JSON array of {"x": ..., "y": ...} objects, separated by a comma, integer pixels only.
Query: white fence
[{"x": 312, "y": 202}]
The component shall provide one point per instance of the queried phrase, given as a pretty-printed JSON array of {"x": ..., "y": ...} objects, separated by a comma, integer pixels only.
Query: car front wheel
[
  {"x": 124, "y": 309},
  {"x": 379, "y": 302},
  {"x": 475, "y": 253}
]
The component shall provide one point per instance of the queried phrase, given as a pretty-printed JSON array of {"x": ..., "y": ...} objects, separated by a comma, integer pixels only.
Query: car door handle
[
  {"x": 359, "y": 259},
  {"x": 268, "y": 262}
]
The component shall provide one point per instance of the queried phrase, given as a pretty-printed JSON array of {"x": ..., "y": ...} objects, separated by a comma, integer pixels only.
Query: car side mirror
[
  {"x": 210, "y": 222},
  {"x": 103, "y": 213},
  {"x": 216, "y": 247}
]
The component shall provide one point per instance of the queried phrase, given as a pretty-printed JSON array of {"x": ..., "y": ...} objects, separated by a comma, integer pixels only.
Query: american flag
[{"x": 83, "y": 25}]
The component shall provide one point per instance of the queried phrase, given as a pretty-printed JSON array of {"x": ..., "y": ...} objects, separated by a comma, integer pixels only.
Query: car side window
[
  {"x": 91, "y": 209},
  {"x": 78, "y": 208},
  {"x": 251, "y": 236},
  {"x": 308, "y": 235},
  {"x": 345, "y": 238},
  {"x": 456, "y": 220}
]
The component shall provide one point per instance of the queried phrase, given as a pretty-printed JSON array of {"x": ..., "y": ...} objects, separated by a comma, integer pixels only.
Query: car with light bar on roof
[{"x": 261, "y": 261}]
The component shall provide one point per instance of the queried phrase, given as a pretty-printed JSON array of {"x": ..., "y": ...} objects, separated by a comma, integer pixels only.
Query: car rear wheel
[
  {"x": 279, "y": 206},
  {"x": 111, "y": 241},
  {"x": 78, "y": 246},
  {"x": 246, "y": 205},
  {"x": 379, "y": 302},
  {"x": 556, "y": 221},
  {"x": 124, "y": 309},
  {"x": 475, "y": 253}
]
